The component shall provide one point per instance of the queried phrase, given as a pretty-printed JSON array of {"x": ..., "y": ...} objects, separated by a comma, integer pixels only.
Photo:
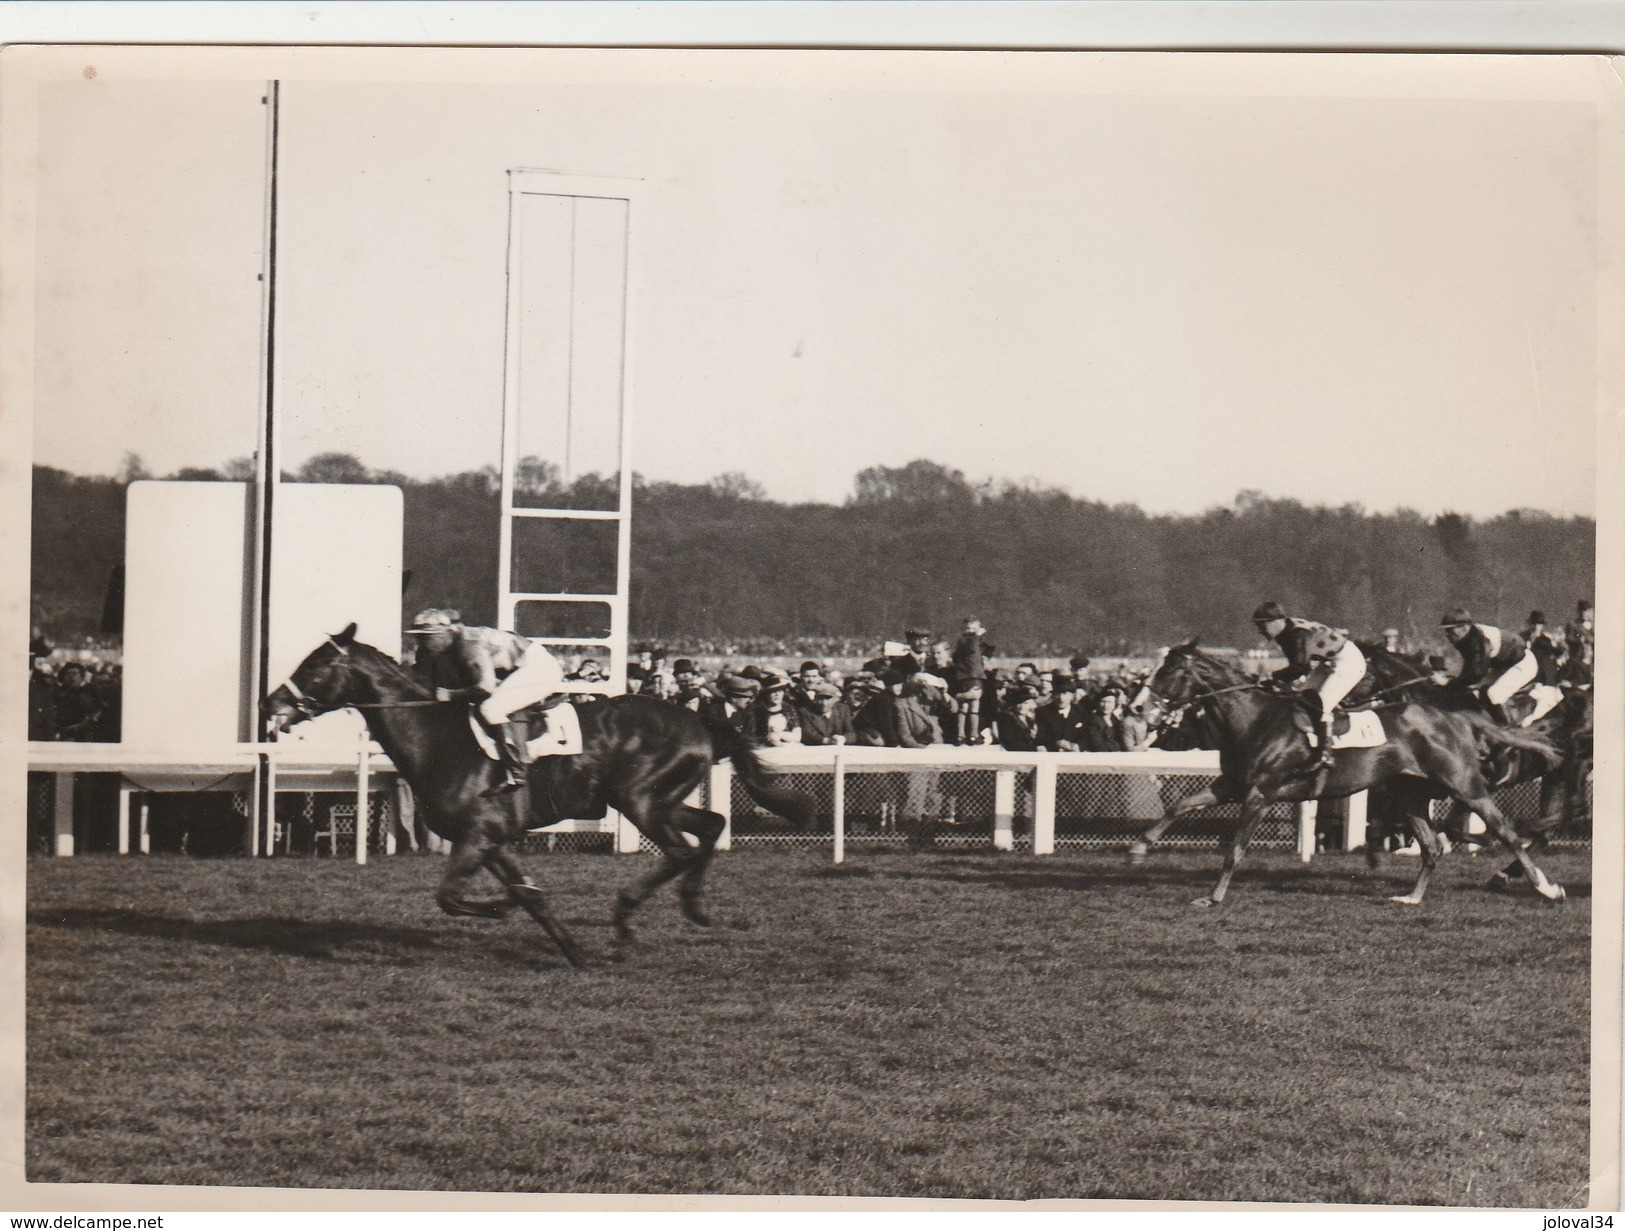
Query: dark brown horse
[
  {"x": 641, "y": 756},
  {"x": 1265, "y": 758}
]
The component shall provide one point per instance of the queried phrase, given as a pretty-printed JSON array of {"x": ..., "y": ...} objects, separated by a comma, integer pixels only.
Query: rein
[{"x": 1201, "y": 696}]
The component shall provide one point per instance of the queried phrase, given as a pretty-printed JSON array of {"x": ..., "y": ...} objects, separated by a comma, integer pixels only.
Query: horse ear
[
  {"x": 347, "y": 636},
  {"x": 1191, "y": 644}
]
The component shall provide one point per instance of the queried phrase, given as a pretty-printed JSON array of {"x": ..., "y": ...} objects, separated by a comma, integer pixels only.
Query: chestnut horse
[{"x": 641, "y": 756}]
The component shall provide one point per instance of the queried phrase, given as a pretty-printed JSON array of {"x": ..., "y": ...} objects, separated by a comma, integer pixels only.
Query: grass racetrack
[{"x": 903, "y": 1025}]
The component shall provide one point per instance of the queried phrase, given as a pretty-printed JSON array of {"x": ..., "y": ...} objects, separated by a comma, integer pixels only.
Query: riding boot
[
  {"x": 1324, "y": 727},
  {"x": 510, "y": 741},
  {"x": 1499, "y": 713}
]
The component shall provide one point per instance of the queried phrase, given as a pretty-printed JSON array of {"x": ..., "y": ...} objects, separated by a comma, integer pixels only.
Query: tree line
[{"x": 912, "y": 545}]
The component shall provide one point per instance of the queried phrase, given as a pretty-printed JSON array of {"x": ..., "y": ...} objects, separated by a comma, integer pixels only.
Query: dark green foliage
[
  {"x": 921, "y": 544},
  {"x": 968, "y": 1026}
]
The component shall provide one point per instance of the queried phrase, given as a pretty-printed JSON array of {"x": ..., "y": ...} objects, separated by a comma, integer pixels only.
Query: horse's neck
[
  {"x": 404, "y": 727},
  {"x": 1232, "y": 715}
]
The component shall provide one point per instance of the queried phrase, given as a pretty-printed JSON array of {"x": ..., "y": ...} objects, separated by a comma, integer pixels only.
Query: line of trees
[{"x": 916, "y": 544}]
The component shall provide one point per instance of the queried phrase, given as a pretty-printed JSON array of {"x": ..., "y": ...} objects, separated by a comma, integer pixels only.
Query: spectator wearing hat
[
  {"x": 1495, "y": 663},
  {"x": 824, "y": 715},
  {"x": 1547, "y": 647},
  {"x": 1016, "y": 727},
  {"x": 692, "y": 690},
  {"x": 779, "y": 724},
  {"x": 917, "y": 657},
  {"x": 1102, "y": 726},
  {"x": 1060, "y": 718},
  {"x": 1581, "y": 637},
  {"x": 736, "y": 706}
]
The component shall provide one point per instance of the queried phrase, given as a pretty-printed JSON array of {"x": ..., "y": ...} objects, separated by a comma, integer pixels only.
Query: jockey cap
[
  {"x": 1267, "y": 612},
  {"x": 1537, "y": 617},
  {"x": 435, "y": 620},
  {"x": 1455, "y": 616}
]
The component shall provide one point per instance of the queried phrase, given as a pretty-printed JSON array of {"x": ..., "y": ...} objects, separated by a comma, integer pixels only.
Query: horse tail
[
  {"x": 726, "y": 742},
  {"x": 1522, "y": 739}
]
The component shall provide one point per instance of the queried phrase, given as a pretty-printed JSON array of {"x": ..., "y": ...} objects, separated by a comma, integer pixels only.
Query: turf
[{"x": 973, "y": 1026}]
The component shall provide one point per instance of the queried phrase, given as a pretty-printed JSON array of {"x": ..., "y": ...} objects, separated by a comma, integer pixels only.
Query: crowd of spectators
[
  {"x": 917, "y": 692},
  {"x": 72, "y": 698}
]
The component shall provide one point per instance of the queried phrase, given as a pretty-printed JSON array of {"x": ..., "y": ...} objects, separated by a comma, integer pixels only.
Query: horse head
[
  {"x": 329, "y": 678},
  {"x": 1177, "y": 678}
]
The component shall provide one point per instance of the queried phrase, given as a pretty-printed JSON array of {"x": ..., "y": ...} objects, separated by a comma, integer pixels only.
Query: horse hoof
[
  {"x": 695, "y": 914},
  {"x": 1406, "y": 899},
  {"x": 1204, "y": 902},
  {"x": 1557, "y": 894},
  {"x": 1137, "y": 853},
  {"x": 1499, "y": 881}
]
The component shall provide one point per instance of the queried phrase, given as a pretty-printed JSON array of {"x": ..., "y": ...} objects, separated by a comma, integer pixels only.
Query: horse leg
[
  {"x": 707, "y": 827},
  {"x": 466, "y": 859},
  {"x": 1252, "y": 812},
  {"x": 1502, "y": 829},
  {"x": 502, "y": 865},
  {"x": 1414, "y": 800},
  {"x": 680, "y": 852},
  {"x": 1207, "y": 797}
]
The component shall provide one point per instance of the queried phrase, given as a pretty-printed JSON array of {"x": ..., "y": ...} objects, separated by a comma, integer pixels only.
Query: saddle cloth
[
  {"x": 1546, "y": 698},
  {"x": 560, "y": 737},
  {"x": 1359, "y": 729}
]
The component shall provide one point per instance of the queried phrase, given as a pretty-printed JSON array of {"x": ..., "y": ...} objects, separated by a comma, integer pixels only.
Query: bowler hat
[
  {"x": 1078, "y": 662},
  {"x": 684, "y": 666}
]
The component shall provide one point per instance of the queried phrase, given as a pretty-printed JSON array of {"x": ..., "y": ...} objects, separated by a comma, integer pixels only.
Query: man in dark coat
[{"x": 1060, "y": 719}]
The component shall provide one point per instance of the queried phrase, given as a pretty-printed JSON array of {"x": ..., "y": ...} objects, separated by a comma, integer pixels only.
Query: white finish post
[
  {"x": 1004, "y": 810},
  {"x": 840, "y": 809},
  {"x": 626, "y": 834},
  {"x": 389, "y": 824},
  {"x": 146, "y": 840},
  {"x": 64, "y": 813},
  {"x": 363, "y": 777},
  {"x": 1308, "y": 810},
  {"x": 124, "y": 792},
  {"x": 1044, "y": 808},
  {"x": 721, "y": 796},
  {"x": 1354, "y": 833}
]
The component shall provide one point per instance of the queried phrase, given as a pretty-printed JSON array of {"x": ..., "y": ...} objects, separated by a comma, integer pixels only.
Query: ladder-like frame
[{"x": 524, "y": 182}]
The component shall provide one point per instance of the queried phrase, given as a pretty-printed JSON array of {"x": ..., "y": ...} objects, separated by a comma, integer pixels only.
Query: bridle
[{"x": 308, "y": 707}]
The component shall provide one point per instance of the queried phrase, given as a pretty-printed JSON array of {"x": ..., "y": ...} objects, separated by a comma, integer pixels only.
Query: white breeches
[
  {"x": 1340, "y": 675},
  {"x": 1515, "y": 677},
  {"x": 538, "y": 675}
]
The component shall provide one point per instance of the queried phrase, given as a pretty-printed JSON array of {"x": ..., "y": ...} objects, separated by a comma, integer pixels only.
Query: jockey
[
  {"x": 1582, "y": 645},
  {"x": 1321, "y": 661},
  {"x": 508, "y": 673},
  {"x": 1546, "y": 646},
  {"x": 1494, "y": 662}
]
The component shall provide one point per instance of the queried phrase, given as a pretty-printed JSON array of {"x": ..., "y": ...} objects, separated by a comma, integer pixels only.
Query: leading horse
[
  {"x": 1428, "y": 750},
  {"x": 642, "y": 756}
]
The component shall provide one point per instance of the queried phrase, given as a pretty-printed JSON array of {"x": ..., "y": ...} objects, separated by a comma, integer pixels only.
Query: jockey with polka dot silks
[
  {"x": 1320, "y": 661},
  {"x": 506, "y": 672},
  {"x": 1495, "y": 663}
]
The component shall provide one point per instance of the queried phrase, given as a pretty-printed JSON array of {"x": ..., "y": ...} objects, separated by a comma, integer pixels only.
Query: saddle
[
  {"x": 552, "y": 729},
  {"x": 1360, "y": 729}
]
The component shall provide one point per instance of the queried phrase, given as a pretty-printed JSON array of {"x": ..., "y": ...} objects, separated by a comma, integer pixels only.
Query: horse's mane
[{"x": 374, "y": 656}]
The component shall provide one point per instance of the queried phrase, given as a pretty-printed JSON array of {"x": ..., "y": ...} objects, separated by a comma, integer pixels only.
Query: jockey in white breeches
[
  {"x": 509, "y": 673},
  {"x": 1319, "y": 658}
]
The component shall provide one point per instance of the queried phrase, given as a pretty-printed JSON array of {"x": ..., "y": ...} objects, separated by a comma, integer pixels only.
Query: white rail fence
[{"x": 866, "y": 799}]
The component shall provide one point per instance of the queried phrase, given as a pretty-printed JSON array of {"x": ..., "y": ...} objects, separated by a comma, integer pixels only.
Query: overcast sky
[{"x": 1135, "y": 278}]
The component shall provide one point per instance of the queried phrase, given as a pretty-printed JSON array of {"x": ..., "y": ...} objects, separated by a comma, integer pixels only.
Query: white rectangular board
[{"x": 335, "y": 558}]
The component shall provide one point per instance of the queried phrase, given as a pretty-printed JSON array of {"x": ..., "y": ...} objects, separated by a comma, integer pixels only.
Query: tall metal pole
[{"x": 263, "y": 810}]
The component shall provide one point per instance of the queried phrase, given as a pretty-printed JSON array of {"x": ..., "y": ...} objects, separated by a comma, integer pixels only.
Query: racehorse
[
  {"x": 1264, "y": 758},
  {"x": 642, "y": 756}
]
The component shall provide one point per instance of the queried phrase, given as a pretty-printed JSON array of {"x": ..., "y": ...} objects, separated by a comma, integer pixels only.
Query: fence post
[
  {"x": 1354, "y": 827},
  {"x": 1044, "y": 808},
  {"x": 839, "y": 818},
  {"x": 1004, "y": 810},
  {"x": 720, "y": 793},
  {"x": 1308, "y": 810},
  {"x": 363, "y": 821},
  {"x": 145, "y": 839},
  {"x": 64, "y": 813},
  {"x": 124, "y": 792}
]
